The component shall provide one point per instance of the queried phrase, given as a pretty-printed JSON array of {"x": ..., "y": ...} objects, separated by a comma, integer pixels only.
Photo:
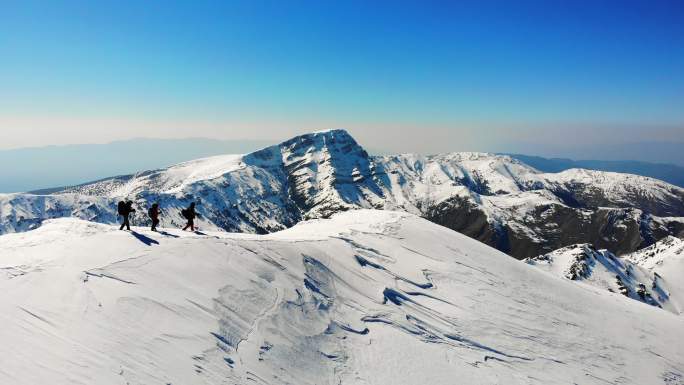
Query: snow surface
[
  {"x": 665, "y": 259},
  {"x": 365, "y": 297}
]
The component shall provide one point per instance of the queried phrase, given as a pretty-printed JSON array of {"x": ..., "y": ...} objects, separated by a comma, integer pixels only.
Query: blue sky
[{"x": 422, "y": 76}]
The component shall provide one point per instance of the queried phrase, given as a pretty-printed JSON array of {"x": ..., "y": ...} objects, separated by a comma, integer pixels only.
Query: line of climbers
[{"x": 125, "y": 209}]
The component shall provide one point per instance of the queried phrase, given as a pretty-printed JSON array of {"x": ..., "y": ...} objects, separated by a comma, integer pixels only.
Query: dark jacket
[
  {"x": 154, "y": 212},
  {"x": 190, "y": 213},
  {"x": 128, "y": 209}
]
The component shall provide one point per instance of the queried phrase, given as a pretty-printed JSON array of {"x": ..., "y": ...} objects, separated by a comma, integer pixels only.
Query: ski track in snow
[{"x": 366, "y": 297}]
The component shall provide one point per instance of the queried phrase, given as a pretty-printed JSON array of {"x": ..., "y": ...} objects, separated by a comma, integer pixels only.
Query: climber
[
  {"x": 125, "y": 209},
  {"x": 153, "y": 213},
  {"x": 190, "y": 214}
]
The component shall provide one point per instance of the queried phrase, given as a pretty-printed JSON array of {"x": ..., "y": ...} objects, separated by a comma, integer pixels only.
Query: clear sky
[{"x": 421, "y": 76}]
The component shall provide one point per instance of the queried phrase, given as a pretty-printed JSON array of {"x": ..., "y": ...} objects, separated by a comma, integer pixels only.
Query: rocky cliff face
[{"x": 495, "y": 199}]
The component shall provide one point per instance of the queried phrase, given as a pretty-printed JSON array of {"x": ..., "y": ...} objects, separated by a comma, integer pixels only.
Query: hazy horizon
[
  {"x": 559, "y": 79},
  {"x": 658, "y": 152},
  {"x": 38, "y": 168}
]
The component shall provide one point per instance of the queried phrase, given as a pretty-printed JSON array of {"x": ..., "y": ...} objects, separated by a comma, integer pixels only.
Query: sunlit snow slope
[
  {"x": 665, "y": 260},
  {"x": 366, "y": 297}
]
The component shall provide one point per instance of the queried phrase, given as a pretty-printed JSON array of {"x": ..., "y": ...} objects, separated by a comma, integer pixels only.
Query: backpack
[
  {"x": 122, "y": 208},
  {"x": 185, "y": 213},
  {"x": 150, "y": 212}
]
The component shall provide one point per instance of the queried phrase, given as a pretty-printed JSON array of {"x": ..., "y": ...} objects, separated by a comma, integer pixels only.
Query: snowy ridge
[
  {"x": 23, "y": 212},
  {"x": 665, "y": 260},
  {"x": 658, "y": 253},
  {"x": 492, "y": 198},
  {"x": 364, "y": 297},
  {"x": 601, "y": 268}
]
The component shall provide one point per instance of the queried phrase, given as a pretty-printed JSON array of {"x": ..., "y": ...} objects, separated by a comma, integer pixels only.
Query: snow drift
[{"x": 366, "y": 297}]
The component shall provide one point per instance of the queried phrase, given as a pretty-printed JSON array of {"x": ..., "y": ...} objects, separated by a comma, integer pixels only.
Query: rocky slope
[
  {"x": 601, "y": 268},
  {"x": 665, "y": 261},
  {"x": 652, "y": 275},
  {"x": 492, "y": 198}
]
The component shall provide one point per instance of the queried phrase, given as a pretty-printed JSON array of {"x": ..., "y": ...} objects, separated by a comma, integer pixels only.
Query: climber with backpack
[
  {"x": 153, "y": 213},
  {"x": 189, "y": 214},
  {"x": 125, "y": 209}
]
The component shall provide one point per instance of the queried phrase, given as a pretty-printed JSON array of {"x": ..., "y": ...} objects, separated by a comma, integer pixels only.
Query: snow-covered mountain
[
  {"x": 521, "y": 211},
  {"x": 652, "y": 275},
  {"x": 365, "y": 297},
  {"x": 492, "y": 198}
]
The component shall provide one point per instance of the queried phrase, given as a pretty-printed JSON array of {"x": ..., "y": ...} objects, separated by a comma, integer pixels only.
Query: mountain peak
[
  {"x": 337, "y": 134},
  {"x": 328, "y": 171},
  {"x": 330, "y": 131}
]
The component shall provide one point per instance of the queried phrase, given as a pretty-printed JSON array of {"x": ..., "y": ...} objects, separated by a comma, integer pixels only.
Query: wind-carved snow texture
[
  {"x": 494, "y": 199},
  {"x": 364, "y": 297}
]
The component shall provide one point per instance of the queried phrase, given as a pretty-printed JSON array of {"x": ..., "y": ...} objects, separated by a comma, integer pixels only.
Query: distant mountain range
[
  {"x": 36, "y": 169},
  {"x": 495, "y": 199},
  {"x": 667, "y": 172},
  {"x": 29, "y": 169}
]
